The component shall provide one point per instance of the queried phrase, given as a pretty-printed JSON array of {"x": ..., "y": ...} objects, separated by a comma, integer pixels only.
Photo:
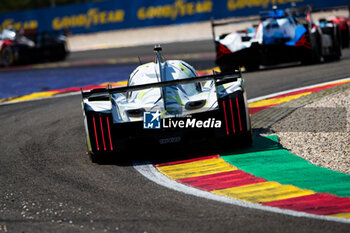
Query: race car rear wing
[
  {"x": 280, "y": 13},
  {"x": 219, "y": 79},
  {"x": 218, "y": 23}
]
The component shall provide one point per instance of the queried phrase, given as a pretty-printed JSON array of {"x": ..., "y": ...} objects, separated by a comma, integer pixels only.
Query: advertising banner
[{"x": 113, "y": 15}]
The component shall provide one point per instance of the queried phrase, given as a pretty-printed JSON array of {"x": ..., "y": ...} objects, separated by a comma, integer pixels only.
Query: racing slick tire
[
  {"x": 7, "y": 56},
  {"x": 97, "y": 158},
  {"x": 252, "y": 67},
  {"x": 104, "y": 158},
  {"x": 93, "y": 157},
  {"x": 336, "y": 40},
  {"x": 59, "y": 53},
  {"x": 228, "y": 68},
  {"x": 247, "y": 139},
  {"x": 345, "y": 37},
  {"x": 315, "y": 55},
  {"x": 337, "y": 44}
]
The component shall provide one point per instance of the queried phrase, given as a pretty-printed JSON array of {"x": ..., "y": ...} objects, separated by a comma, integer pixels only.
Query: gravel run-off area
[{"x": 300, "y": 133}]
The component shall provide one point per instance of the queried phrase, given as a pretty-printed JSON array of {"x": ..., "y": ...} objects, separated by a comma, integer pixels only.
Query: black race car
[{"x": 23, "y": 47}]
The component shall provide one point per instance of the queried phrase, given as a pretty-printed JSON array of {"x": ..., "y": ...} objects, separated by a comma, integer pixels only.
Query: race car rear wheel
[
  {"x": 337, "y": 44},
  {"x": 345, "y": 37},
  {"x": 247, "y": 139},
  {"x": 314, "y": 55},
  {"x": 335, "y": 54},
  {"x": 252, "y": 67},
  {"x": 228, "y": 68},
  {"x": 95, "y": 158},
  {"x": 7, "y": 56}
]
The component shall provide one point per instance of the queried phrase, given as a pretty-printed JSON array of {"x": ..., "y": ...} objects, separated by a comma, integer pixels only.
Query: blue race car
[{"x": 281, "y": 36}]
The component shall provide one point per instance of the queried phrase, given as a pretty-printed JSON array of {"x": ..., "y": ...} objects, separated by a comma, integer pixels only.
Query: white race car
[{"x": 164, "y": 103}]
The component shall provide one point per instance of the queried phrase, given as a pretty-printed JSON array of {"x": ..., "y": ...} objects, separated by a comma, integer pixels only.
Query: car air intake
[
  {"x": 135, "y": 112},
  {"x": 195, "y": 104},
  {"x": 99, "y": 98}
]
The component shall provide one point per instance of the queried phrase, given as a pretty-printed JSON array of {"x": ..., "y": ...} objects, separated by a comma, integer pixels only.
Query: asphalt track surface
[
  {"x": 145, "y": 52},
  {"x": 48, "y": 183},
  {"x": 273, "y": 79}
]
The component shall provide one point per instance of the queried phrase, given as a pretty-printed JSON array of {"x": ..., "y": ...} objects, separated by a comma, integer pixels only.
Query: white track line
[
  {"x": 42, "y": 98},
  {"x": 296, "y": 89},
  {"x": 151, "y": 173}
]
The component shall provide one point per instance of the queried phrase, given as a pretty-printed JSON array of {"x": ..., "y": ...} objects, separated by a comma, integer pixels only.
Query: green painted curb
[{"x": 266, "y": 158}]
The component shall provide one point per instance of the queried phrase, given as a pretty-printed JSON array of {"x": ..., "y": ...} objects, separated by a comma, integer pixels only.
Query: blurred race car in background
[
  {"x": 29, "y": 46},
  {"x": 344, "y": 28},
  {"x": 165, "y": 103},
  {"x": 282, "y": 36}
]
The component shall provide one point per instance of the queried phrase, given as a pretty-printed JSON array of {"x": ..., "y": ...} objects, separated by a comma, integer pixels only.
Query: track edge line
[{"x": 151, "y": 173}]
